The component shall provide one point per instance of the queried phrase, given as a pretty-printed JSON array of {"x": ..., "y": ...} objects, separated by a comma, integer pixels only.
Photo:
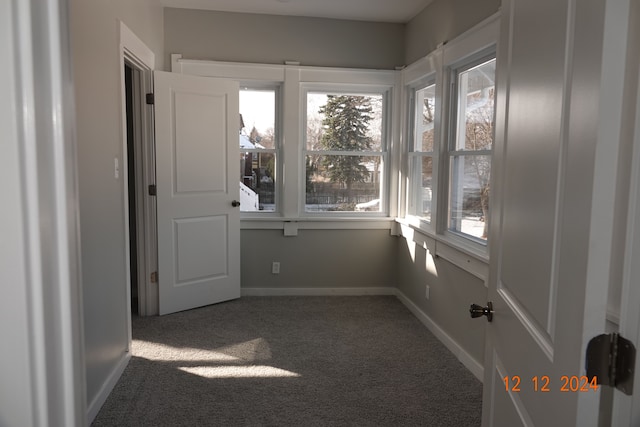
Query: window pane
[
  {"x": 344, "y": 122},
  {"x": 343, "y": 183},
  {"x": 470, "y": 195},
  {"x": 423, "y": 167},
  {"x": 257, "y": 132},
  {"x": 424, "y": 121},
  {"x": 257, "y": 181},
  {"x": 476, "y": 91},
  {"x": 258, "y": 117}
]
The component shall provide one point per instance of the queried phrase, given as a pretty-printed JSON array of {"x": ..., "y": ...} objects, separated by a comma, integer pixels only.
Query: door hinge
[
  {"x": 150, "y": 99},
  {"x": 154, "y": 277},
  {"x": 611, "y": 359},
  {"x": 153, "y": 190}
]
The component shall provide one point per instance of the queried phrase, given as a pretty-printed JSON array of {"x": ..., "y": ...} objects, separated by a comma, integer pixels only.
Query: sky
[{"x": 258, "y": 109}]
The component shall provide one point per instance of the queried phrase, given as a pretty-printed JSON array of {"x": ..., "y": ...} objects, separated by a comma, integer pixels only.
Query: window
[
  {"x": 333, "y": 172},
  {"x": 345, "y": 151},
  {"x": 258, "y": 150},
  {"x": 470, "y": 144},
  {"x": 422, "y": 151},
  {"x": 450, "y": 133}
]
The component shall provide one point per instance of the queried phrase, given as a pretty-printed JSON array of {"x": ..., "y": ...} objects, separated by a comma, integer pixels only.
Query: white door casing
[
  {"x": 547, "y": 211},
  {"x": 197, "y": 180}
]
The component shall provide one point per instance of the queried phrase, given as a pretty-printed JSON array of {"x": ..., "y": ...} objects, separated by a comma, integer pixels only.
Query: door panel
[
  {"x": 196, "y": 236},
  {"x": 532, "y": 164},
  {"x": 546, "y": 137},
  {"x": 200, "y": 143},
  {"x": 198, "y": 228}
]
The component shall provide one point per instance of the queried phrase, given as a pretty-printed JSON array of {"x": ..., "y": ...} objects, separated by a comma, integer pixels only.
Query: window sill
[
  {"x": 447, "y": 247},
  {"x": 292, "y": 225}
]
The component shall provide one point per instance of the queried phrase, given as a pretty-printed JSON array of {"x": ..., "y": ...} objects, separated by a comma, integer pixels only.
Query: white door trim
[{"x": 136, "y": 53}]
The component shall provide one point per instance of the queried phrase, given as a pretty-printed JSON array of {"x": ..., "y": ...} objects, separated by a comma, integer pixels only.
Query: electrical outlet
[
  {"x": 426, "y": 293},
  {"x": 275, "y": 267}
]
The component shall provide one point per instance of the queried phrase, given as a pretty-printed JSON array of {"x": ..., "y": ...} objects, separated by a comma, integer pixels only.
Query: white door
[
  {"x": 551, "y": 217},
  {"x": 197, "y": 183}
]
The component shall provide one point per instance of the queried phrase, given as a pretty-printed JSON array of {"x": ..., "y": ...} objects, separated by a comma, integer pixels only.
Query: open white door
[
  {"x": 197, "y": 184},
  {"x": 552, "y": 218}
]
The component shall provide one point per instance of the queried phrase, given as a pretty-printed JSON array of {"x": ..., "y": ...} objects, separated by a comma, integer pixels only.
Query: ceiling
[{"x": 399, "y": 11}]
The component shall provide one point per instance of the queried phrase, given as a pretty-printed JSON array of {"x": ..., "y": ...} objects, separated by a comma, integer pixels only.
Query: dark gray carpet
[{"x": 292, "y": 361}]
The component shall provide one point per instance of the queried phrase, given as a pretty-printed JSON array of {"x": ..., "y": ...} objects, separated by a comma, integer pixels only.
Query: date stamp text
[{"x": 545, "y": 384}]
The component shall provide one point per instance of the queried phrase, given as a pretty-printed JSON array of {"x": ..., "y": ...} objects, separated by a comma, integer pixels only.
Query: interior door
[
  {"x": 197, "y": 183},
  {"x": 544, "y": 227}
]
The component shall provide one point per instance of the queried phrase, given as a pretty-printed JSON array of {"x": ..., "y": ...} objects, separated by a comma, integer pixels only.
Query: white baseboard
[
  {"x": 467, "y": 360},
  {"x": 271, "y": 292},
  {"x": 107, "y": 387}
]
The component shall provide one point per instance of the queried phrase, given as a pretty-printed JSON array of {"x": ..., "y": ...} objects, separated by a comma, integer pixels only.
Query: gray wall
[
  {"x": 441, "y": 21},
  {"x": 237, "y": 37},
  {"x": 452, "y": 291},
  {"x": 95, "y": 48},
  {"x": 318, "y": 259}
]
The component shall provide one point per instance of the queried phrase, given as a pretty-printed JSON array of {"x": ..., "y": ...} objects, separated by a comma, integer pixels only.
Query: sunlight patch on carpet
[
  {"x": 255, "y": 371},
  {"x": 167, "y": 353},
  {"x": 248, "y": 351}
]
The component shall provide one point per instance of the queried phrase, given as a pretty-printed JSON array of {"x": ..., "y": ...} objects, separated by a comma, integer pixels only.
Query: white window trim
[
  {"x": 480, "y": 39},
  {"x": 278, "y": 88},
  {"x": 447, "y": 151},
  {"x": 429, "y": 78},
  {"x": 294, "y": 80},
  {"x": 359, "y": 89}
]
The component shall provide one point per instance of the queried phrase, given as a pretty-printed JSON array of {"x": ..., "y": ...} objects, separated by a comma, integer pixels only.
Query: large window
[
  {"x": 450, "y": 139},
  {"x": 258, "y": 150},
  {"x": 344, "y": 153},
  {"x": 470, "y": 144},
  {"x": 329, "y": 125},
  {"x": 421, "y": 155}
]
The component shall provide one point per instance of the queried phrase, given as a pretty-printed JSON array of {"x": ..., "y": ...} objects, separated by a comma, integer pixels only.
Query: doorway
[
  {"x": 137, "y": 62},
  {"x": 140, "y": 208},
  {"x": 131, "y": 187}
]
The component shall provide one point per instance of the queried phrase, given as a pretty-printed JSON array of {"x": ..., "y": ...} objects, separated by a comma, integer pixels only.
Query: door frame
[{"x": 137, "y": 55}]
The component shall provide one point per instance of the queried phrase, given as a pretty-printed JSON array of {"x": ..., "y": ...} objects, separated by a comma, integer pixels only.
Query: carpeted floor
[{"x": 292, "y": 361}]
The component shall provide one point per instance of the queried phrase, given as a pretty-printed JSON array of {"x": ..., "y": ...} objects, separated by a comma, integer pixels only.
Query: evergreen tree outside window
[{"x": 345, "y": 153}]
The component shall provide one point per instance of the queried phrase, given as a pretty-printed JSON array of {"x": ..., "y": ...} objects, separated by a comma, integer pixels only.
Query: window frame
[
  {"x": 277, "y": 87},
  {"x": 478, "y": 42},
  {"x": 413, "y": 155},
  {"x": 449, "y": 150},
  {"x": 357, "y": 90},
  {"x": 292, "y": 78}
]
